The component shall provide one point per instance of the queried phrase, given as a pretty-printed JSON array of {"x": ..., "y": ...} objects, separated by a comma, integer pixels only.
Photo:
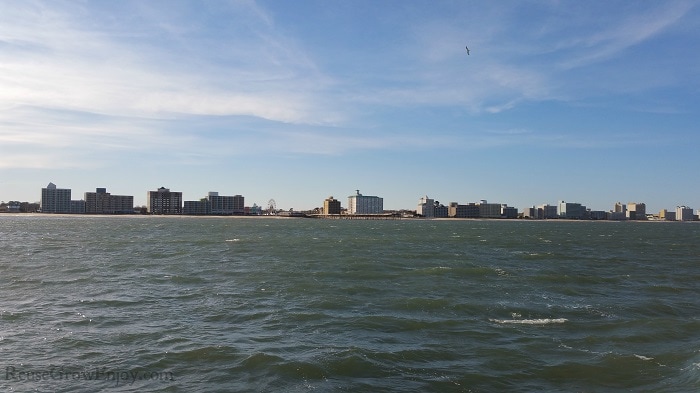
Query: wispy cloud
[
  {"x": 70, "y": 63},
  {"x": 623, "y": 34},
  {"x": 80, "y": 83}
]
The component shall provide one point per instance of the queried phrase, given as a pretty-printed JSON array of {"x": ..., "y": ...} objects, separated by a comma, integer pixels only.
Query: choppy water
[{"x": 177, "y": 304}]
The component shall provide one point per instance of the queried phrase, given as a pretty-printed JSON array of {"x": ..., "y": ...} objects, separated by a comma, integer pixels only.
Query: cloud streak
[
  {"x": 632, "y": 31},
  {"x": 66, "y": 65}
]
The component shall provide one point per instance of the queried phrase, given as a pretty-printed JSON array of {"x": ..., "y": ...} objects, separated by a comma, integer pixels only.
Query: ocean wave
[{"x": 538, "y": 321}]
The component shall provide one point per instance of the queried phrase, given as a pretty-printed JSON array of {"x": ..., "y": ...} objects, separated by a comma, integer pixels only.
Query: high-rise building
[
  {"x": 365, "y": 204},
  {"x": 508, "y": 211},
  {"x": 215, "y": 204},
  {"x": 470, "y": 210},
  {"x": 164, "y": 201},
  {"x": 55, "y": 200},
  {"x": 331, "y": 206},
  {"x": 220, "y": 204},
  {"x": 441, "y": 211},
  {"x": 226, "y": 205},
  {"x": 572, "y": 211},
  {"x": 532, "y": 212},
  {"x": 489, "y": 210},
  {"x": 426, "y": 207},
  {"x": 684, "y": 213},
  {"x": 238, "y": 204},
  {"x": 636, "y": 211},
  {"x": 455, "y": 210},
  {"x": 102, "y": 202},
  {"x": 620, "y": 208},
  {"x": 547, "y": 211}
]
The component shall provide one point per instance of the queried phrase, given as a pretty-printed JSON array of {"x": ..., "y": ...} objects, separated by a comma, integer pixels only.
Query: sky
[{"x": 592, "y": 102}]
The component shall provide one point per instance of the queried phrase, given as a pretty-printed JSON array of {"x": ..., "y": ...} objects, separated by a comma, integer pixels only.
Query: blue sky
[{"x": 591, "y": 102}]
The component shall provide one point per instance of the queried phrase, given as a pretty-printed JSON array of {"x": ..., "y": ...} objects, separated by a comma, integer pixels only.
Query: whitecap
[
  {"x": 538, "y": 321},
  {"x": 642, "y": 357},
  {"x": 233, "y": 240}
]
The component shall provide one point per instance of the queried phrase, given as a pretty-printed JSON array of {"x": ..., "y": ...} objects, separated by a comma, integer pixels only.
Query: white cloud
[{"x": 71, "y": 64}]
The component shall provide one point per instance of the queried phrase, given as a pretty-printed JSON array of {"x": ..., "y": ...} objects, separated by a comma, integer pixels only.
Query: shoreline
[{"x": 348, "y": 218}]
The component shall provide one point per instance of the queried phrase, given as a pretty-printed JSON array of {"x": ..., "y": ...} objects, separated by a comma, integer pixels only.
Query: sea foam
[{"x": 539, "y": 321}]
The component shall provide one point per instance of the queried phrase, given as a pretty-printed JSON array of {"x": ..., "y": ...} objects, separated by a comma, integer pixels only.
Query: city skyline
[
  {"x": 592, "y": 103},
  {"x": 103, "y": 202}
]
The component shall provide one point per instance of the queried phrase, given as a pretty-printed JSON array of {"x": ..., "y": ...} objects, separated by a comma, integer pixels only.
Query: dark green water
[{"x": 178, "y": 304}]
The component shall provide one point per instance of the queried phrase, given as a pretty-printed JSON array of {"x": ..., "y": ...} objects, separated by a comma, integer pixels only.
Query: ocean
[{"x": 187, "y": 304}]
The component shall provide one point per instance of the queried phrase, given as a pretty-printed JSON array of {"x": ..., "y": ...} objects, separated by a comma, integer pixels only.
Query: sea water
[{"x": 184, "y": 304}]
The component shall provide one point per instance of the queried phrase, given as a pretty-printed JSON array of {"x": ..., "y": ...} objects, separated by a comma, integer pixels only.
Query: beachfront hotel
[
  {"x": 102, "y": 202},
  {"x": 331, "y": 206},
  {"x": 215, "y": 204},
  {"x": 164, "y": 201},
  {"x": 365, "y": 204},
  {"x": 55, "y": 200}
]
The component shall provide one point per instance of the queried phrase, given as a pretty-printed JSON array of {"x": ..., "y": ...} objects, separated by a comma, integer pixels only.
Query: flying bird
[{"x": 467, "y": 50}]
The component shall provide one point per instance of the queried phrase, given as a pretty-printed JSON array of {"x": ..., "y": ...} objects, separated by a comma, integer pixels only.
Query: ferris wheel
[{"x": 271, "y": 207}]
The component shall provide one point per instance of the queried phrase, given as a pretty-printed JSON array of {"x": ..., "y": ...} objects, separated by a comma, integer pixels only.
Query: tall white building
[
  {"x": 684, "y": 213},
  {"x": 55, "y": 200},
  {"x": 365, "y": 204},
  {"x": 426, "y": 207}
]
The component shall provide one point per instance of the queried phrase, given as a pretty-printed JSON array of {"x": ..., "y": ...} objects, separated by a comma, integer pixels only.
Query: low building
[
  {"x": 201, "y": 207},
  {"x": 254, "y": 210},
  {"x": 77, "y": 207},
  {"x": 616, "y": 216},
  {"x": 597, "y": 215},
  {"x": 666, "y": 215},
  {"x": 13, "y": 207}
]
